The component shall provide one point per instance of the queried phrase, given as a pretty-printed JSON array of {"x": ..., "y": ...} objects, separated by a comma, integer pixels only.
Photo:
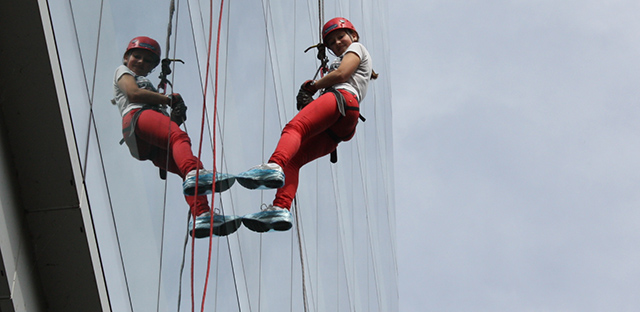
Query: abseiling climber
[
  {"x": 151, "y": 133},
  {"x": 320, "y": 125},
  {"x": 317, "y": 128}
]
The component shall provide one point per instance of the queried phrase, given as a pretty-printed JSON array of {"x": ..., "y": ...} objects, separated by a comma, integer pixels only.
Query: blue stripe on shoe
[
  {"x": 222, "y": 225},
  {"x": 223, "y": 182},
  {"x": 261, "y": 179}
]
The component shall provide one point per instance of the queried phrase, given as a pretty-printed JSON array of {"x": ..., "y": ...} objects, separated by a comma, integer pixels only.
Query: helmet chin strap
[{"x": 351, "y": 36}]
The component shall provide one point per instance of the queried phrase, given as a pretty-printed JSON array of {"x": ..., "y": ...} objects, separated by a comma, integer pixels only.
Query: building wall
[{"x": 50, "y": 259}]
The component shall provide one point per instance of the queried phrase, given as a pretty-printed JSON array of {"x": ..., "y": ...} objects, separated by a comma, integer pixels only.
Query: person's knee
[{"x": 180, "y": 136}]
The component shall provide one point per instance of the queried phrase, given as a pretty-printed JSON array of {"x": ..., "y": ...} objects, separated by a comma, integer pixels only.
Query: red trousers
[
  {"x": 161, "y": 140},
  {"x": 306, "y": 138}
]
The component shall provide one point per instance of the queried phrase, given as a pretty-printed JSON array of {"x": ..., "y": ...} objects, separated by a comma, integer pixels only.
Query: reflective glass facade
[{"x": 340, "y": 254}]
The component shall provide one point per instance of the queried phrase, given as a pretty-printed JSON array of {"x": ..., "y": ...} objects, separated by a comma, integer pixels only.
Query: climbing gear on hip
[
  {"x": 342, "y": 107},
  {"x": 129, "y": 131},
  {"x": 178, "y": 108},
  {"x": 341, "y": 102},
  {"x": 322, "y": 56},
  {"x": 166, "y": 71}
]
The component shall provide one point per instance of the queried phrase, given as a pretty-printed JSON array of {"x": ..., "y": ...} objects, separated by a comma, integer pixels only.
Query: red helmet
[
  {"x": 145, "y": 43},
  {"x": 335, "y": 24}
]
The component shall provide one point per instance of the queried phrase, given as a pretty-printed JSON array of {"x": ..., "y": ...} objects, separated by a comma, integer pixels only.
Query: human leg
[
  {"x": 310, "y": 121},
  {"x": 313, "y": 148},
  {"x": 277, "y": 216},
  {"x": 159, "y": 131}
]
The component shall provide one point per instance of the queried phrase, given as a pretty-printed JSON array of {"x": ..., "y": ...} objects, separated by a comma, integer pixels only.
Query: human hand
[
  {"x": 175, "y": 98},
  {"x": 310, "y": 86},
  {"x": 178, "y": 109}
]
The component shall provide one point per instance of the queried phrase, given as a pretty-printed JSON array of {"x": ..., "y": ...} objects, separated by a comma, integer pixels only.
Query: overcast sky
[{"x": 515, "y": 128}]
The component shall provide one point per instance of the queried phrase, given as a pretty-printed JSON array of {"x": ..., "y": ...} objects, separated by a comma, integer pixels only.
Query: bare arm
[
  {"x": 347, "y": 67},
  {"x": 128, "y": 85}
]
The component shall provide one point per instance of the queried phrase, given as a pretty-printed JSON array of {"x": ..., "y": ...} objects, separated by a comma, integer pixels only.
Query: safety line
[
  {"x": 300, "y": 250},
  {"x": 184, "y": 254},
  {"x": 269, "y": 48},
  {"x": 297, "y": 211},
  {"x": 172, "y": 9},
  {"x": 204, "y": 105},
  {"x": 92, "y": 122},
  {"x": 223, "y": 160},
  {"x": 191, "y": 19},
  {"x": 341, "y": 235},
  {"x": 215, "y": 108}
]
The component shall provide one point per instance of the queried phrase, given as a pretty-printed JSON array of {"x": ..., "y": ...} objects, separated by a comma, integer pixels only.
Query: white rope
[{"x": 164, "y": 202}]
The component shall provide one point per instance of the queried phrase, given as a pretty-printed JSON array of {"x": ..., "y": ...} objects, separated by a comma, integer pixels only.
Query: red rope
[{"x": 215, "y": 109}]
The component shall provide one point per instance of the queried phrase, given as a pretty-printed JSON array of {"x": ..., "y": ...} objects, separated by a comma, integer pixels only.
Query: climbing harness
[
  {"x": 129, "y": 135},
  {"x": 342, "y": 108}
]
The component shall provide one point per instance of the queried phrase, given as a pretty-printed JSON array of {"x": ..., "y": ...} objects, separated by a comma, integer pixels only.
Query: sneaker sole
[
  {"x": 227, "y": 228},
  {"x": 253, "y": 184},
  {"x": 262, "y": 227},
  {"x": 224, "y": 185},
  {"x": 205, "y": 189},
  {"x": 200, "y": 233},
  {"x": 223, "y": 229},
  {"x": 255, "y": 225},
  {"x": 281, "y": 226}
]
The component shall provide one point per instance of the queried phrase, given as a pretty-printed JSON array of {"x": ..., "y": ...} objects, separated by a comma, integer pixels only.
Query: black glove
[
  {"x": 303, "y": 98},
  {"x": 178, "y": 109},
  {"x": 175, "y": 98}
]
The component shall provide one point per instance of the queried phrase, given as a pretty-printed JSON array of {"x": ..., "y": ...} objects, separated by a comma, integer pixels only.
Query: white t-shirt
[
  {"x": 359, "y": 81},
  {"x": 121, "y": 99}
]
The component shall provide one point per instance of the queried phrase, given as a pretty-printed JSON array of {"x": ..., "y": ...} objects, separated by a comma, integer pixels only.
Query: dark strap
[
  {"x": 342, "y": 107},
  {"x": 342, "y": 103},
  {"x": 134, "y": 120},
  {"x": 131, "y": 128}
]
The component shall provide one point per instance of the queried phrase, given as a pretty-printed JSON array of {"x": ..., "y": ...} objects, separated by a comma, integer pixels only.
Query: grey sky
[{"x": 515, "y": 132}]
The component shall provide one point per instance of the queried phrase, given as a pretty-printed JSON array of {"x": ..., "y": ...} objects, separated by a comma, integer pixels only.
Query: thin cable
[
  {"x": 204, "y": 109},
  {"x": 341, "y": 237},
  {"x": 370, "y": 234},
  {"x": 184, "y": 254},
  {"x": 191, "y": 19},
  {"x": 273, "y": 73},
  {"x": 215, "y": 108},
  {"x": 172, "y": 9},
  {"x": 300, "y": 249},
  {"x": 92, "y": 122}
]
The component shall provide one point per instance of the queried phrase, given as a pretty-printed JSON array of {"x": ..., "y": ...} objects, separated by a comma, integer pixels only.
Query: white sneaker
[
  {"x": 265, "y": 176},
  {"x": 205, "y": 180},
  {"x": 271, "y": 218},
  {"x": 222, "y": 225}
]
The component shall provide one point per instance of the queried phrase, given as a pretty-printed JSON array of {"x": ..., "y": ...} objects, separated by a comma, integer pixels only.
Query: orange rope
[
  {"x": 215, "y": 109},
  {"x": 215, "y": 112}
]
